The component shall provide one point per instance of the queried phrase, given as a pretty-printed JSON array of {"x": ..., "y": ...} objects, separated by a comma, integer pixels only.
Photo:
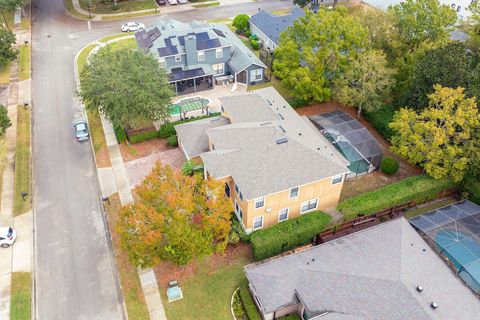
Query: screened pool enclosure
[
  {"x": 352, "y": 139},
  {"x": 455, "y": 231}
]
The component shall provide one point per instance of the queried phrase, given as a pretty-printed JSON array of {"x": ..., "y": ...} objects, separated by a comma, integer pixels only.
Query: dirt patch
[
  {"x": 372, "y": 180},
  {"x": 167, "y": 271},
  {"x": 143, "y": 149},
  {"x": 103, "y": 158}
]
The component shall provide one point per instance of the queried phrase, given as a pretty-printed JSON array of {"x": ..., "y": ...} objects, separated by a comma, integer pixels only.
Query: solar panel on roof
[
  {"x": 208, "y": 44},
  {"x": 167, "y": 51},
  {"x": 202, "y": 36},
  {"x": 179, "y": 74}
]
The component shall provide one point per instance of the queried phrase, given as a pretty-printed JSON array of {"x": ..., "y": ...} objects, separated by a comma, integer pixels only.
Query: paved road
[{"x": 75, "y": 276}]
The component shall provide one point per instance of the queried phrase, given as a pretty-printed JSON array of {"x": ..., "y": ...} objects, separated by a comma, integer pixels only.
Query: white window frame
[
  {"x": 290, "y": 194},
  {"x": 178, "y": 58},
  {"x": 214, "y": 67},
  {"x": 162, "y": 63},
  {"x": 280, "y": 213},
  {"x": 201, "y": 54},
  {"x": 219, "y": 52},
  {"x": 307, "y": 203},
  {"x": 332, "y": 183},
  {"x": 255, "y": 218},
  {"x": 255, "y": 73},
  {"x": 258, "y": 200}
]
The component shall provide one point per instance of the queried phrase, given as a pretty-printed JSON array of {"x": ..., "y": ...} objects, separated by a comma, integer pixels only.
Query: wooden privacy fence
[{"x": 364, "y": 221}]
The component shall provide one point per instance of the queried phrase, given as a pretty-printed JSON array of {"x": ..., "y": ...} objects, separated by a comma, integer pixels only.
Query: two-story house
[
  {"x": 195, "y": 55},
  {"x": 274, "y": 163}
]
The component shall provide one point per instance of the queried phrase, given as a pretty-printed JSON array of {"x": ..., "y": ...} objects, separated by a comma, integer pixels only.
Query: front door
[{"x": 242, "y": 77}]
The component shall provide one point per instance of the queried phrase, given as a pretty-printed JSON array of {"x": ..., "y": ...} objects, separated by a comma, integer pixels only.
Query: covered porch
[{"x": 186, "y": 81}]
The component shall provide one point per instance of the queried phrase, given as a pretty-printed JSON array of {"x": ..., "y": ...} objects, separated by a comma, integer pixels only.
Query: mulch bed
[
  {"x": 143, "y": 149},
  {"x": 167, "y": 271}
]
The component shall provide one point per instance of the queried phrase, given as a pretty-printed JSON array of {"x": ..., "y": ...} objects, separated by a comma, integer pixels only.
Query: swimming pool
[{"x": 458, "y": 247}]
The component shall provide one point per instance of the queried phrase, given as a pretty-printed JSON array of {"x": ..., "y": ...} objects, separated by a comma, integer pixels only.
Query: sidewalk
[{"x": 160, "y": 9}]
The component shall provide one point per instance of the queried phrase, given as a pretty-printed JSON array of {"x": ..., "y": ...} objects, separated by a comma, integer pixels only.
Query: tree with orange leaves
[{"x": 176, "y": 218}]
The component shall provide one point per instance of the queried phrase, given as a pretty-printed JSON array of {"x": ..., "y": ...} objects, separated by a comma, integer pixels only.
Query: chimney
[{"x": 191, "y": 49}]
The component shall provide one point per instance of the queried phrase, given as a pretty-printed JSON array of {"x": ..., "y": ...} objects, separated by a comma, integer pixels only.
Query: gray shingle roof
[
  {"x": 272, "y": 25},
  {"x": 371, "y": 274},
  {"x": 193, "y": 135},
  {"x": 248, "y": 108}
]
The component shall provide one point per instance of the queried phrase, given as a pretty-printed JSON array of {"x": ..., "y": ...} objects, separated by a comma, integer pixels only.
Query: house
[
  {"x": 275, "y": 164},
  {"x": 196, "y": 55},
  {"x": 386, "y": 272},
  {"x": 268, "y": 26}
]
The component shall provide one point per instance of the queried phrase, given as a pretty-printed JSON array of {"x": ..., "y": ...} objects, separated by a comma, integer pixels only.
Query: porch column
[
  {"x": 176, "y": 87},
  {"x": 194, "y": 85}
]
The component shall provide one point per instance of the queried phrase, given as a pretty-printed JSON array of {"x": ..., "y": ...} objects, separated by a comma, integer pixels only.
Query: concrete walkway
[{"x": 164, "y": 10}]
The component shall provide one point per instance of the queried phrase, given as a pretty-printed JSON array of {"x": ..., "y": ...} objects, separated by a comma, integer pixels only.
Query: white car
[
  {"x": 172, "y": 2},
  {"x": 7, "y": 236},
  {"x": 182, "y": 1},
  {"x": 133, "y": 26}
]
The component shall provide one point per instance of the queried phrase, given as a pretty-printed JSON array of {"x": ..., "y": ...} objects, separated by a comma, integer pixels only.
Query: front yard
[
  {"x": 124, "y": 6},
  {"x": 207, "y": 285}
]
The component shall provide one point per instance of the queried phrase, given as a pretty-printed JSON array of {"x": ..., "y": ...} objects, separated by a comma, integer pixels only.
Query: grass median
[
  {"x": 24, "y": 62},
  {"x": 21, "y": 296},
  {"x": 22, "y": 163}
]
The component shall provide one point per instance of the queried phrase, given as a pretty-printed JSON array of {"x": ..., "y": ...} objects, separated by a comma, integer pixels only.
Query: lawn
[
  {"x": 22, "y": 163},
  {"x": 125, "y": 6},
  {"x": 24, "y": 62},
  {"x": 115, "y": 36},
  {"x": 21, "y": 296},
  {"x": 428, "y": 207},
  {"x": 3, "y": 154},
  {"x": 8, "y": 16},
  {"x": 206, "y": 5},
  {"x": 130, "y": 43},
  {"x": 206, "y": 292},
  {"x": 5, "y": 74},
  {"x": 131, "y": 287},
  {"x": 277, "y": 84}
]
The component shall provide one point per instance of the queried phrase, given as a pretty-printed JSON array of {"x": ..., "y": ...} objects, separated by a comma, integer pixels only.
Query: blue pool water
[{"x": 456, "y": 245}]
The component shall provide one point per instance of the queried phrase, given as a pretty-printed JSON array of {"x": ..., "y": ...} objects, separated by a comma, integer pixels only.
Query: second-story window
[
  {"x": 293, "y": 192},
  {"x": 201, "y": 55},
  {"x": 219, "y": 52},
  {"x": 260, "y": 202},
  {"x": 162, "y": 63}
]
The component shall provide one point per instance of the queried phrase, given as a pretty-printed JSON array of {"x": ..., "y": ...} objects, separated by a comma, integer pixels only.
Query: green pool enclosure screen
[
  {"x": 455, "y": 231},
  {"x": 352, "y": 139}
]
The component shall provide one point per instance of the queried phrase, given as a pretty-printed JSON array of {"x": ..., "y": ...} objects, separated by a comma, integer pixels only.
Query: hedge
[
  {"x": 248, "y": 303},
  {"x": 172, "y": 141},
  {"x": 288, "y": 235},
  {"x": 417, "y": 188},
  {"x": 120, "y": 134},
  {"x": 144, "y": 136},
  {"x": 167, "y": 129},
  {"x": 471, "y": 186},
  {"x": 380, "y": 119},
  {"x": 238, "y": 229}
]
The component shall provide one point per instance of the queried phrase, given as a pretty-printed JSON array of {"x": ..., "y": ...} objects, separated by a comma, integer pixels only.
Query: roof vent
[
  {"x": 419, "y": 288},
  {"x": 434, "y": 305},
  {"x": 299, "y": 133},
  {"x": 265, "y": 123},
  {"x": 268, "y": 101},
  {"x": 282, "y": 140}
]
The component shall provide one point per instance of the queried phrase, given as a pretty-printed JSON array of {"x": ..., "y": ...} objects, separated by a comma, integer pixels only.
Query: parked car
[
  {"x": 161, "y": 2},
  {"x": 81, "y": 130},
  {"x": 7, "y": 236},
  {"x": 132, "y": 26},
  {"x": 182, "y": 1},
  {"x": 172, "y": 2}
]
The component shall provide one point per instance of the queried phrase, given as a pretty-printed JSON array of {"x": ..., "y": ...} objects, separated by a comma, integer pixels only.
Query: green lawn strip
[
  {"x": 130, "y": 43},
  {"x": 124, "y": 6},
  {"x": 8, "y": 15},
  {"x": 418, "y": 188},
  {"x": 5, "y": 74},
  {"x": 281, "y": 12},
  {"x": 222, "y": 20},
  {"x": 429, "y": 207},
  {"x": 206, "y": 5},
  {"x": 24, "y": 62},
  {"x": 130, "y": 282},
  {"x": 247, "y": 301},
  {"x": 115, "y": 36},
  {"x": 207, "y": 294},
  {"x": 131, "y": 15},
  {"x": 82, "y": 57},
  {"x": 3, "y": 157},
  {"x": 73, "y": 12},
  {"x": 21, "y": 296},
  {"x": 22, "y": 162}
]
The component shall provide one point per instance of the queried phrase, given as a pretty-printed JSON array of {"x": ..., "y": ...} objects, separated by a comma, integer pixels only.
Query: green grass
[
  {"x": 24, "y": 62},
  {"x": 5, "y": 74},
  {"x": 125, "y": 6},
  {"x": 22, "y": 162},
  {"x": 429, "y": 207},
  {"x": 82, "y": 57},
  {"x": 277, "y": 84},
  {"x": 131, "y": 287},
  {"x": 8, "y": 16},
  {"x": 115, "y": 36},
  {"x": 124, "y": 44},
  {"x": 131, "y": 15},
  {"x": 21, "y": 296},
  {"x": 207, "y": 294},
  {"x": 69, "y": 7},
  {"x": 3, "y": 157},
  {"x": 247, "y": 301},
  {"x": 206, "y": 5},
  {"x": 223, "y": 20}
]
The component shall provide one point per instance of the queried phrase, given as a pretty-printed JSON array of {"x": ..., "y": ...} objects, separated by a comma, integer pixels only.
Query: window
[
  {"x": 309, "y": 205},
  {"x": 293, "y": 192},
  {"x": 257, "y": 222},
  {"x": 256, "y": 75},
  {"x": 459, "y": 8},
  {"x": 283, "y": 215},
  {"x": 260, "y": 202},
  {"x": 337, "y": 179},
  {"x": 240, "y": 212},
  {"x": 162, "y": 63},
  {"x": 241, "y": 195},
  {"x": 178, "y": 58},
  {"x": 201, "y": 55},
  {"x": 237, "y": 208},
  {"x": 219, "y": 68},
  {"x": 219, "y": 52},
  {"x": 227, "y": 190},
  {"x": 237, "y": 190}
]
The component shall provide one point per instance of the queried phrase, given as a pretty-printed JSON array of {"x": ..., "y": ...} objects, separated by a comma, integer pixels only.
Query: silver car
[{"x": 81, "y": 130}]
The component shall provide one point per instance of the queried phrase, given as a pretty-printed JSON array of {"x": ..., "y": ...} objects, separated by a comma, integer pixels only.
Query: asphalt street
[{"x": 75, "y": 273}]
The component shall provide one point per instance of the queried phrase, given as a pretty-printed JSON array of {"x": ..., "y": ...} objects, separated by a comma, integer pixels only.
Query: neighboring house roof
[
  {"x": 272, "y": 25},
  {"x": 193, "y": 135},
  {"x": 370, "y": 274},
  {"x": 248, "y": 108}
]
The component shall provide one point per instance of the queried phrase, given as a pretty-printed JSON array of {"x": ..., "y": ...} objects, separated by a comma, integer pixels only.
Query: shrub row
[
  {"x": 144, "y": 136},
  {"x": 248, "y": 303},
  {"x": 380, "y": 119},
  {"x": 238, "y": 229},
  {"x": 288, "y": 235},
  {"x": 298, "y": 102},
  {"x": 120, "y": 134},
  {"x": 167, "y": 129},
  {"x": 471, "y": 187},
  {"x": 417, "y": 188}
]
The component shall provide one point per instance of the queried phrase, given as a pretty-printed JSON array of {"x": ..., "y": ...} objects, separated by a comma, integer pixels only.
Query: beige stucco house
[{"x": 274, "y": 163}]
